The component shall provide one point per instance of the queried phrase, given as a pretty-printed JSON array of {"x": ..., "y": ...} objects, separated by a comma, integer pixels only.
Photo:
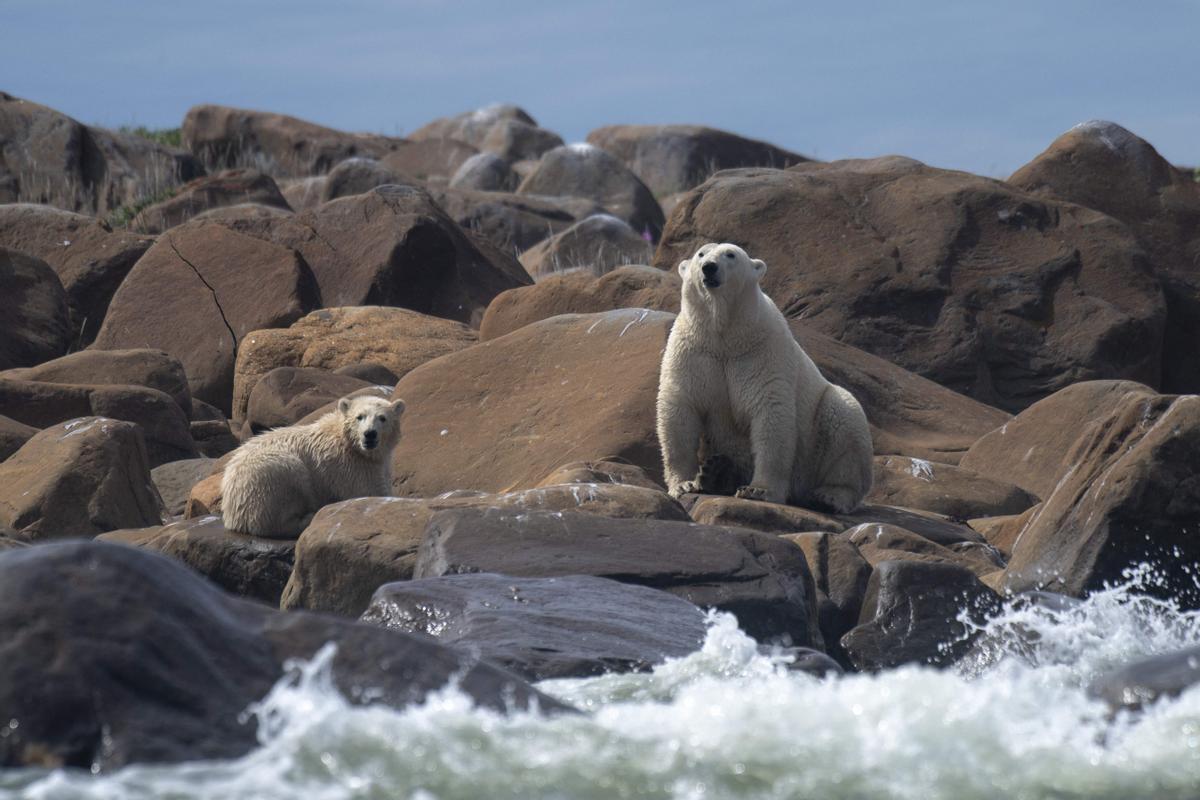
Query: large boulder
[
  {"x": 152, "y": 369},
  {"x": 47, "y": 157},
  {"x": 89, "y": 257},
  {"x": 540, "y": 628},
  {"x": 581, "y": 292},
  {"x": 174, "y": 481},
  {"x": 582, "y": 170},
  {"x": 161, "y": 421},
  {"x": 1130, "y": 499},
  {"x": 286, "y": 395},
  {"x": 1103, "y": 166},
  {"x": 36, "y": 323},
  {"x": 352, "y": 548},
  {"x": 515, "y": 140},
  {"x": 393, "y": 246},
  {"x": 841, "y": 575},
  {"x": 880, "y": 542},
  {"x": 198, "y": 291},
  {"x": 79, "y": 479},
  {"x": 432, "y": 159},
  {"x": 674, "y": 158},
  {"x": 227, "y": 188},
  {"x": 471, "y": 127},
  {"x": 761, "y": 579},
  {"x": 110, "y": 656},
  {"x": 952, "y": 491},
  {"x": 513, "y": 222},
  {"x": 485, "y": 172},
  {"x": 1004, "y": 296},
  {"x": 396, "y": 339},
  {"x": 13, "y": 435},
  {"x": 244, "y": 565},
  {"x": 355, "y": 176},
  {"x": 279, "y": 145},
  {"x": 597, "y": 245}
]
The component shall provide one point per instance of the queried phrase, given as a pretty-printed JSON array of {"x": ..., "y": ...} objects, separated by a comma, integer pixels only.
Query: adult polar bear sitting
[
  {"x": 277, "y": 481},
  {"x": 737, "y": 390}
]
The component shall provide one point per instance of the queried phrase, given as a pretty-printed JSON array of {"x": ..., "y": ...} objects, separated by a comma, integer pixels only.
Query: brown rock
[
  {"x": 943, "y": 489},
  {"x": 303, "y": 193},
  {"x": 1103, "y": 166},
  {"x": 286, "y": 395},
  {"x": 13, "y": 435},
  {"x": 247, "y": 566},
  {"x": 395, "y": 338},
  {"x": 596, "y": 245},
  {"x": 582, "y": 170},
  {"x": 226, "y": 188},
  {"x": 513, "y": 222},
  {"x": 882, "y": 542},
  {"x": 89, "y": 257},
  {"x": 205, "y": 497},
  {"x": 768, "y": 517},
  {"x": 675, "y": 158},
  {"x": 197, "y": 292},
  {"x": 1004, "y": 296},
  {"x": 1033, "y": 449},
  {"x": 471, "y": 127},
  {"x": 600, "y": 472},
  {"x": 841, "y": 575},
  {"x": 426, "y": 159},
  {"x": 79, "y": 479},
  {"x": 162, "y": 423},
  {"x": 355, "y": 176},
  {"x": 485, "y": 172},
  {"x": 1002, "y": 532},
  {"x": 228, "y": 138},
  {"x": 1131, "y": 497},
  {"x": 514, "y": 140},
  {"x": 174, "y": 481},
  {"x": 36, "y": 324},
  {"x": 152, "y": 369},
  {"x": 242, "y": 211}
]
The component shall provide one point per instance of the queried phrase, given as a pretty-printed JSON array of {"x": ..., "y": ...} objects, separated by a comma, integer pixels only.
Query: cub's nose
[
  {"x": 369, "y": 438},
  {"x": 709, "y": 269}
]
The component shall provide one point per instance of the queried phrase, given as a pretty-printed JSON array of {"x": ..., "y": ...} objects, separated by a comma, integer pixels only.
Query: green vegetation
[
  {"x": 1196, "y": 174},
  {"x": 172, "y": 137},
  {"x": 122, "y": 216}
]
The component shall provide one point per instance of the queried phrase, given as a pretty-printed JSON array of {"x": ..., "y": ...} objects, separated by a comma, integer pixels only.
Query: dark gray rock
[
  {"x": 174, "y": 481},
  {"x": 1143, "y": 682},
  {"x": 485, "y": 172}
]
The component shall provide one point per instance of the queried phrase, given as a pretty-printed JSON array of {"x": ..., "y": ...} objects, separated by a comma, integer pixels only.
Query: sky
[{"x": 977, "y": 86}]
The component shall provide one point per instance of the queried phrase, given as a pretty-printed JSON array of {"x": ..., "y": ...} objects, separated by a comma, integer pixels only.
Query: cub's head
[
  {"x": 720, "y": 271},
  {"x": 372, "y": 424}
]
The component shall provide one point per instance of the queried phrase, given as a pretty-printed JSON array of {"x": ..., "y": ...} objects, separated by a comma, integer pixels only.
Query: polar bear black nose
[
  {"x": 369, "y": 437},
  {"x": 709, "y": 269}
]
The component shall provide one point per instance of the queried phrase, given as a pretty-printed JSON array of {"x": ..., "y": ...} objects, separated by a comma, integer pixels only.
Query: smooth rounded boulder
[
  {"x": 226, "y": 188},
  {"x": 36, "y": 323},
  {"x": 597, "y": 245}
]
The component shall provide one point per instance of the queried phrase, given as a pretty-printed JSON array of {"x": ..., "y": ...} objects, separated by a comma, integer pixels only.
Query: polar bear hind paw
[
  {"x": 687, "y": 487},
  {"x": 753, "y": 493}
]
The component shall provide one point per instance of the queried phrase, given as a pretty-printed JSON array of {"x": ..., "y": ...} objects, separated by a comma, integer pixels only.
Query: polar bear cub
[
  {"x": 736, "y": 390},
  {"x": 277, "y": 481}
]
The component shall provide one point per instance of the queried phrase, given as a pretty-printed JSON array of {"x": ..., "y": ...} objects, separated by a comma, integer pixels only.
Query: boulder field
[{"x": 1023, "y": 351}]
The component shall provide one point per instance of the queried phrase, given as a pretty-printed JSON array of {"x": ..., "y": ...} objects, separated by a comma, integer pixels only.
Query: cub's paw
[
  {"x": 687, "y": 487},
  {"x": 753, "y": 493}
]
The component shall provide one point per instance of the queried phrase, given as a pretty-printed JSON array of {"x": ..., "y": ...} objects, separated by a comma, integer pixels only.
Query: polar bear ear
[
  {"x": 760, "y": 268},
  {"x": 683, "y": 266},
  {"x": 398, "y": 406},
  {"x": 344, "y": 405}
]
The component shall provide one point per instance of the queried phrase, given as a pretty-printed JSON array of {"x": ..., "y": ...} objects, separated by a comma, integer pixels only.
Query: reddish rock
[
  {"x": 197, "y": 292},
  {"x": 878, "y": 543},
  {"x": 471, "y": 127},
  {"x": 242, "y": 211},
  {"x": 1003, "y": 296},
  {"x": 303, "y": 193},
  {"x": 35, "y": 325},
  {"x": 13, "y": 435},
  {"x": 174, "y": 481},
  {"x": 355, "y": 176},
  {"x": 428, "y": 159},
  {"x": 89, "y": 257},
  {"x": 841, "y": 575},
  {"x": 212, "y": 191},
  {"x": 285, "y": 395},
  {"x": 513, "y": 222},
  {"x": 597, "y": 245},
  {"x": 79, "y": 479},
  {"x": 600, "y": 472},
  {"x": 514, "y": 140},
  {"x": 944, "y": 489},
  {"x": 1002, "y": 532}
]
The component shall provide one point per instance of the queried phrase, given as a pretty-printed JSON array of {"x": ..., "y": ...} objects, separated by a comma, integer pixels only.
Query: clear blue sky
[{"x": 981, "y": 86}]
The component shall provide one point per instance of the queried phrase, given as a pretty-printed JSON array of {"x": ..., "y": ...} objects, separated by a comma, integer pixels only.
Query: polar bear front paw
[
  {"x": 755, "y": 493},
  {"x": 687, "y": 487}
]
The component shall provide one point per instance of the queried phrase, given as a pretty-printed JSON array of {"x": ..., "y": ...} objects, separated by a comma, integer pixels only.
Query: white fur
[
  {"x": 734, "y": 382},
  {"x": 277, "y": 481}
]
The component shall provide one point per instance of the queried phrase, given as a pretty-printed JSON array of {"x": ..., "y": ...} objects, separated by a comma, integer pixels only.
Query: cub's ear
[
  {"x": 683, "y": 265},
  {"x": 760, "y": 268},
  {"x": 398, "y": 406},
  {"x": 344, "y": 405}
]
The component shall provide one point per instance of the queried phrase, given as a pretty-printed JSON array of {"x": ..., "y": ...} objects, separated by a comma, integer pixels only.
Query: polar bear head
[
  {"x": 371, "y": 424},
  {"x": 720, "y": 271}
]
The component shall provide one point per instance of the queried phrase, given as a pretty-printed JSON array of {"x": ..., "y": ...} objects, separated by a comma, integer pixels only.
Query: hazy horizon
[{"x": 970, "y": 86}]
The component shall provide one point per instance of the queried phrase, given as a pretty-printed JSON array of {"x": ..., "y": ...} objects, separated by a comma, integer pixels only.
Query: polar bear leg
[
  {"x": 679, "y": 432},
  {"x": 846, "y": 471},
  {"x": 773, "y": 442},
  {"x": 269, "y": 494}
]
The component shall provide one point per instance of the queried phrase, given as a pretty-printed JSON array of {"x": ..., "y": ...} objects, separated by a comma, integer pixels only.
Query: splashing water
[{"x": 1012, "y": 721}]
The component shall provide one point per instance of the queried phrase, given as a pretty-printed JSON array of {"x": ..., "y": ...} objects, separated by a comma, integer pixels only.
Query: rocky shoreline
[{"x": 1025, "y": 351}]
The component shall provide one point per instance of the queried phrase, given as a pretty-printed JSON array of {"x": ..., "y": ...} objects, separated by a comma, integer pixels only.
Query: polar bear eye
[
  {"x": 729, "y": 255},
  {"x": 361, "y": 417},
  {"x": 383, "y": 419}
]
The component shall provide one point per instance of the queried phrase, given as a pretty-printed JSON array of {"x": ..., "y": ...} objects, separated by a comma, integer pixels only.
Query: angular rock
[
  {"x": 392, "y": 246},
  {"x": 79, "y": 479},
  {"x": 761, "y": 516},
  {"x": 514, "y": 140},
  {"x": 952, "y": 491},
  {"x": 303, "y": 193},
  {"x": 1143, "y": 682},
  {"x": 243, "y": 211},
  {"x": 89, "y": 257},
  {"x": 140, "y": 660},
  {"x": 1005, "y": 296},
  {"x": 485, "y": 172},
  {"x": 1103, "y": 166},
  {"x": 331, "y": 338},
  {"x": 283, "y": 146},
  {"x": 841, "y": 575},
  {"x": 513, "y": 222},
  {"x": 1002, "y": 532},
  {"x": 600, "y": 472},
  {"x": 355, "y": 176},
  {"x": 152, "y": 369},
  {"x": 247, "y": 566},
  {"x": 1131, "y": 497},
  {"x": 582, "y": 170},
  {"x": 566, "y": 627},
  {"x": 226, "y": 188},
  {"x": 174, "y": 481},
  {"x": 352, "y": 548},
  {"x": 36, "y": 324},
  {"x": 471, "y": 127},
  {"x": 13, "y": 435},
  {"x": 285, "y": 395},
  {"x": 580, "y": 293},
  {"x": 198, "y": 291},
  {"x": 598, "y": 244},
  {"x": 162, "y": 422},
  {"x": 762, "y": 580},
  {"x": 911, "y": 615},
  {"x": 675, "y": 158},
  {"x": 879, "y": 542}
]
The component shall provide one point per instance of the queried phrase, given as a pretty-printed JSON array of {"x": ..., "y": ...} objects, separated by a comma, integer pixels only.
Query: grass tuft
[{"x": 171, "y": 137}]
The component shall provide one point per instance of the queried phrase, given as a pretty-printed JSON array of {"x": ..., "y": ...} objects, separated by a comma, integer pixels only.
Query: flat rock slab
[
  {"x": 571, "y": 626},
  {"x": 761, "y": 579}
]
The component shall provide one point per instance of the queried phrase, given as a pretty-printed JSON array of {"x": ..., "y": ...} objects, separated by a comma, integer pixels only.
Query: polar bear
[
  {"x": 277, "y": 481},
  {"x": 737, "y": 390}
]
